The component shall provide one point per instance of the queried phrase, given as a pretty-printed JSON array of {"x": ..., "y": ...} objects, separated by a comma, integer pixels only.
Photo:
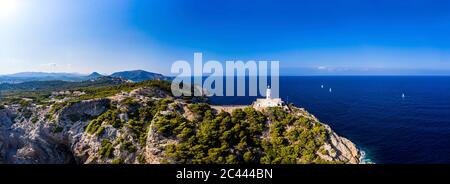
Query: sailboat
[
  {"x": 403, "y": 95},
  {"x": 330, "y": 90},
  {"x": 321, "y": 86}
]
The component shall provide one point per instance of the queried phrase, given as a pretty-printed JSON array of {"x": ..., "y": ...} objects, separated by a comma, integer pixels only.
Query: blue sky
[{"x": 317, "y": 37}]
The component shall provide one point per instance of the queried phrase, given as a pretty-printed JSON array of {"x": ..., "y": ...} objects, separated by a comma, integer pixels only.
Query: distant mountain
[
  {"x": 135, "y": 76},
  {"x": 42, "y": 74},
  {"x": 60, "y": 85},
  {"x": 139, "y": 75},
  {"x": 39, "y": 76},
  {"x": 94, "y": 75}
]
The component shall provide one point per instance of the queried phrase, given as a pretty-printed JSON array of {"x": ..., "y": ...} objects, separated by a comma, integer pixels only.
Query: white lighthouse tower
[
  {"x": 261, "y": 103},
  {"x": 268, "y": 93}
]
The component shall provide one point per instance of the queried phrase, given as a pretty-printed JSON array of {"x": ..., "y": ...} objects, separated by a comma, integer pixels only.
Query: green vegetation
[
  {"x": 106, "y": 150},
  {"x": 102, "y": 92},
  {"x": 236, "y": 138},
  {"x": 242, "y": 136},
  {"x": 58, "y": 129},
  {"x": 171, "y": 124},
  {"x": 292, "y": 139},
  {"x": 34, "y": 120},
  {"x": 56, "y": 107},
  {"x": 141, "y": 158},
  {"x": 110, "y": 117},
  {"x": 15, "y": 97},
  {"x": 128, "y": 146},
  {"x": 40, "y": 91},
  {"x": 139, "y": 117},
  {"x": 117, "y": 161},
  {"x": 26, "y": 112},
  {"x": 214, "y": 138}
]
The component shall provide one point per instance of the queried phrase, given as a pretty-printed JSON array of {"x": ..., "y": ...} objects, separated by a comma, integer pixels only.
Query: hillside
[
  {"x": 41, "y": 91},
  {"x": 139, "y": 75},
  {"x": 143, "y": 123},
  {"x": 94, "y": 75},
  {"x": 58, "y": 84},
  {"x": 40, "y": 76}
]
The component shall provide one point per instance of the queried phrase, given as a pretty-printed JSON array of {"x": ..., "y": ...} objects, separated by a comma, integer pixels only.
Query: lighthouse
[
  {"x": 261, "y": 103},
  {"x": 268, "y": 93}
]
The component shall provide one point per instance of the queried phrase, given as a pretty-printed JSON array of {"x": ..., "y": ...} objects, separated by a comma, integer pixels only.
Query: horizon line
[{"x": 281, "y": 75}]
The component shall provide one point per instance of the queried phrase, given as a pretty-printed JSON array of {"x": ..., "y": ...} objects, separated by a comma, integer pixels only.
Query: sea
[{"x": 392, "y": 119}]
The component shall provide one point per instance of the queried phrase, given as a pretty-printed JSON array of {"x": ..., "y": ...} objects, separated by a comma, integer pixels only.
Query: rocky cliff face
[
  {"x": 81, "y": 132},
  {"x": 336, "y": 148},
  {"x": 43, "y": 139}
]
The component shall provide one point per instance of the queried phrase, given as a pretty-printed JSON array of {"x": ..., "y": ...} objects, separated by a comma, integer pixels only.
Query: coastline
[
  {"x": 85, "y": 146},
  {"x": 348, "y": 151},
  {"x": 365, "y": 159}
]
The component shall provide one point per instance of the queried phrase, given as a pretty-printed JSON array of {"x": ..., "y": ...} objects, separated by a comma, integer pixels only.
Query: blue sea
[{"x": 371, "y": 112}]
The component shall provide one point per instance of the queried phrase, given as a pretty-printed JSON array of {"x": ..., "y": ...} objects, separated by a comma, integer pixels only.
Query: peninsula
[{"x": 142, "y": 123}]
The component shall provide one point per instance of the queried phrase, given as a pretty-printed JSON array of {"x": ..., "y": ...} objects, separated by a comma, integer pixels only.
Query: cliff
[{"x": 148, "y": 125}]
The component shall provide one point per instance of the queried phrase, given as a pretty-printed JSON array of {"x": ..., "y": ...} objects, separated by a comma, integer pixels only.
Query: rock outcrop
[
  {"x": 43, "y": 139},
  {"x": 336, "y": 148}
]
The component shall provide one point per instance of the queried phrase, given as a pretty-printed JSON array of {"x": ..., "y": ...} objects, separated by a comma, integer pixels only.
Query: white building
[
  {"x": 268, "y": 101},
  {"x": 78, "y": 93}
]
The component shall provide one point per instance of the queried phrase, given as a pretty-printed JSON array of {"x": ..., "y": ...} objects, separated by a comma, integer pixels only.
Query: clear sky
[{"x": 307, "y": 37}]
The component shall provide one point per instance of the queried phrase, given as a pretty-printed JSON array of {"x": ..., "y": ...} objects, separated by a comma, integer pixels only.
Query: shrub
[
  {"x": 93, "y": 126},
  {"x": 58, "y": 129},
  {"x": 128, "y": 146},
  {"x": 34, "y": 119},
  {"x": 106, "y": 150},
  {"x": 110, "y": 117},
  {"x": 141, "y": 158},
  {"x": 27, "y": 113},
  {"x": 117, "y": 161},
  {"x": 25, "y": 103}
]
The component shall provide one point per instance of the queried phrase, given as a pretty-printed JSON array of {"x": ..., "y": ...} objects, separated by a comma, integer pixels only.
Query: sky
[{"x": 316, "y": 37}]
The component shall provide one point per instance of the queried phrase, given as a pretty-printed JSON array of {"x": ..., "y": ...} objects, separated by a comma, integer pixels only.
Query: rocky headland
[{"x": 148, "y": 125}]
